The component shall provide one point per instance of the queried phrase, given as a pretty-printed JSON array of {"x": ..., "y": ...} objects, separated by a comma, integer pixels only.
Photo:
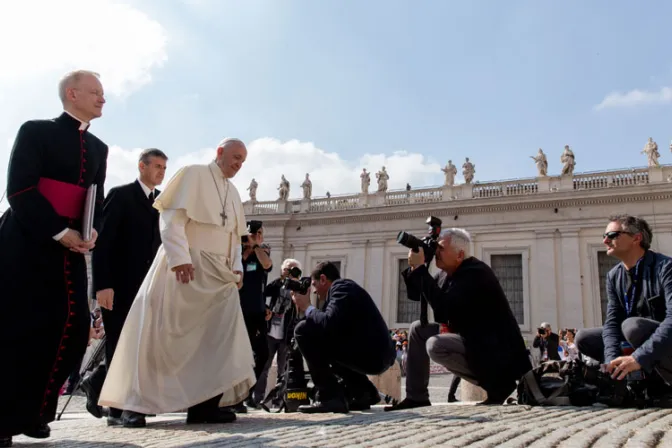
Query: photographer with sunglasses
[{"x": 636, "y": 339}]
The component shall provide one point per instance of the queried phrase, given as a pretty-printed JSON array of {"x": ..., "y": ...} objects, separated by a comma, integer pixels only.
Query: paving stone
[{"x": 449, "y": 425}]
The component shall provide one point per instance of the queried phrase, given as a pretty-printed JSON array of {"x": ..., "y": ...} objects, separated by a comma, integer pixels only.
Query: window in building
[
  {"x": 509, "y": 271},
  {"x": 408, "y": 311},
  {"x": 604, "y": 265}
]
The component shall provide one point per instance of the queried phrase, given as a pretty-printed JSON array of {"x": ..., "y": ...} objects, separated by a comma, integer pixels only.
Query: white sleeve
[
  {"x": 59, "y": 236},
  {"x": 174, "y": 238},
  {"x": 238, "y": 259}
]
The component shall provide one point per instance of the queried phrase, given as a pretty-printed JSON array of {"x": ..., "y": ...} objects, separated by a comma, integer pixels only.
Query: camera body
[
  {"x": 429, "y": 243},
  {"x": 302, "y": 286},
  {"x": 541, "y": 331},
  {"x": 252, "y": 228}
]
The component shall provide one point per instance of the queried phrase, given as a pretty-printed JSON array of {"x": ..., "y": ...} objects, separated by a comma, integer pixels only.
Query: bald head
[
  {"x": 81, "y": 94},
  {"x": 231, "y": 154}
]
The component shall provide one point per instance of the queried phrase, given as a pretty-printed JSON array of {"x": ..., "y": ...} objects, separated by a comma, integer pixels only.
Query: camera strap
[{"x": 631, "y": 293}]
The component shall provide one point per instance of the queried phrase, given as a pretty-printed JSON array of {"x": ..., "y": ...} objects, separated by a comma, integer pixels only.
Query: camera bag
[{"x": 556, "y": 383}]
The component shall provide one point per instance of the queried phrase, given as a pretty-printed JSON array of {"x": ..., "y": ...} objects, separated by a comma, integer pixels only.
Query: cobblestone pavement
[
  {"x": 456, "y": 425},
  {"x": 451, "y": 425}
]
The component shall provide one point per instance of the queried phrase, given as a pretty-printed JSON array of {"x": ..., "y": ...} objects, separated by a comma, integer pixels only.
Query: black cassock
[
  {"x": 44, "y": 313},
  {"x": 124, "y": 252}
]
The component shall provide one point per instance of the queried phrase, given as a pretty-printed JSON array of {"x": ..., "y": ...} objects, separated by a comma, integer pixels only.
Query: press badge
[{"x": 251, "y": 267}]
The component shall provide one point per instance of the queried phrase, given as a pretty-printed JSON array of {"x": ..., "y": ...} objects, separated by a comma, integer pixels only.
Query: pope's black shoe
[
  {"x": 407, "y": 403},
  {"x": 5, "y": 442},
  {"x": 42, "y": 431},
  {"x": 132, "y": 419},
  {"x": 92, "y": 385}
]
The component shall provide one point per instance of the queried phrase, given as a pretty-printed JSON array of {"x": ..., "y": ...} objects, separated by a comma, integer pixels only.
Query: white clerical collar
[
  {"x": 83, "y": 125},
  {"x": 145, "y": 188},
  {"x": 217, "y": 169}
]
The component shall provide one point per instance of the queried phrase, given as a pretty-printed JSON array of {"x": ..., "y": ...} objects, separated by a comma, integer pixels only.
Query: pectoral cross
[{"x": 223, "y": 215}]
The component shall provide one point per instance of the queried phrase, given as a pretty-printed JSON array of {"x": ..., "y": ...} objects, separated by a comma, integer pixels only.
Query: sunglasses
[{"x": 615, "y": 234}]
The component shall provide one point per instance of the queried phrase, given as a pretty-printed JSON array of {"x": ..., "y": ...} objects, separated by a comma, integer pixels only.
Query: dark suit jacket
[
  {"x": 474, "y": 303},
  {"x": 353, "y": 323},
  {"x": 127, "y": 243},
  {"x": 654, "y": 302},
  {"x": 551, "y": 345}
]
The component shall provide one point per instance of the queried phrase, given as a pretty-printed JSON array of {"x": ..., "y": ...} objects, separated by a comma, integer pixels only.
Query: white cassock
[{"x": 183, "y": 344}]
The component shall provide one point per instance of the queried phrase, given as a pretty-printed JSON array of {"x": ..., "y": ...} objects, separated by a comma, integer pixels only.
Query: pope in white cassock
[{"x": 184, "y": 344}]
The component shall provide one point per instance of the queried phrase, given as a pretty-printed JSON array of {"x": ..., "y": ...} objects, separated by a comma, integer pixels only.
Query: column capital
[
  {"x": 545, "y": 233},
  {"x": 378, "y": 243},
  {"x": 359, "y": 243},
  {"x": 299, "y": 246}
]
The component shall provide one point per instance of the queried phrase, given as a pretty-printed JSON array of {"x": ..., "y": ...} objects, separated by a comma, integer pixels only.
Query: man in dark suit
[
  {"x": 126, "y": 248},
  {"x": 485, "y": 346},
  {"x": 349, "y": 339},
  {"x": 44, "y": 314}
]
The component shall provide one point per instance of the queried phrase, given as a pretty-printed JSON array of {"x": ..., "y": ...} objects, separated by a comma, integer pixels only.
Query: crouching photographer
[
  {"x": 348, "y": 339},
  {"x": 636, "y": 341},
  {"x": 485, "y": 347}
]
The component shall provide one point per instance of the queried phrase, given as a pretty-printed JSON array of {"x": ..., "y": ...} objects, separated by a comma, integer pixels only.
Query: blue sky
[{"x": 327, "y": 87}]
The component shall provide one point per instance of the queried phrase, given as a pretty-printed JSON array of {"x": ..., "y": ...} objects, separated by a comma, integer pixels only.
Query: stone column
[
  {"x": 357, "y": 262},
  {"x": 544, "y": 184},
  {"x": 662, "y": 239},
  {"x": 656, "y": 174},
  {"x": 566, "y": 183},
  {"x": 376, "y": 272},
  {"x": 300, "y": 256},
  {"x": 572, "y": 295},
  {"x": 305, "y": 205},
  {"x": 544, "y": 295}
]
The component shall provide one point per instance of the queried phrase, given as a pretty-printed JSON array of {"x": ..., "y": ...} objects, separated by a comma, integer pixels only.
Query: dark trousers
[
  {"x": 113, "y": 320},
  {"x": 636, "y": 331},
  {"x": 257, "y": 330},
  {"x": 328, "y": 359},
  {"x": 280, "y": 347}
]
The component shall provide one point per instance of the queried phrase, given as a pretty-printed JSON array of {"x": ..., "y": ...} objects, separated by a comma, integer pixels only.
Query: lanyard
[{"x": 631, "y": 293}]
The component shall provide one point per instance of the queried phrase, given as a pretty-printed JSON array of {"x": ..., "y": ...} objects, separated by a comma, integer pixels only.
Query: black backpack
[{"x": 557, "y": 383}]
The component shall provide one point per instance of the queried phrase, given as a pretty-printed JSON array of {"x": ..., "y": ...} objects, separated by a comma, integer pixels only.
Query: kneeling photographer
[
  {"x": 636, "y": 341},
  {"x": 486, "y": 346},
  {"x": 348, "y": 339}
]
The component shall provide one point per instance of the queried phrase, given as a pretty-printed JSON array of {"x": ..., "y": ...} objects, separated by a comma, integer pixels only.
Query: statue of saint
[
  {"x": 568, "y": 162},
  {"x": 450, "y": 171},
  {"x": 307, "y": 186},
  {"x": 382, "y": 177},
  {"x": 283, "y": 189},
  {"x": 542, "y": 162},
  {"x": 366, "y": 181},
  {"x": 253, "y": 190},
  {"x": 651, "y": 151},
  {"x": 468, "y": 171}
]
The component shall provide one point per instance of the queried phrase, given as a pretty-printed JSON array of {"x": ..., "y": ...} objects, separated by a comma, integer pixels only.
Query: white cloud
[
  {"x": 269, "y": 158},
  {"x": 48, "y": 38},
  {"x": 44, "y": 39},
  {"x": 635, "y": 98}
]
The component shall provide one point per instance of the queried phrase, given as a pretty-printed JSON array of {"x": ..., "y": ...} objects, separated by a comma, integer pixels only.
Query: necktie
[{"x": 151, "y": 197}]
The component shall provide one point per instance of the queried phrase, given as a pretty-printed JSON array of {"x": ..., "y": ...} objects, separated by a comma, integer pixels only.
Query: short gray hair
[
  {"x": 634, "y": 225},
  {"x": 460, "y": 239},
  {"x": 230, "y": 141},
  {"x": 71, "y": 78},
  {"x": 151, "y": 152},
  {"x": 288, "y": 261}
]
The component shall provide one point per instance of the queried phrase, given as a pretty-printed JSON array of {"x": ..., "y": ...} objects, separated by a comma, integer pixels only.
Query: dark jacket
[
  {"x": 550, "y": 344},
  {"x": 281, "y": 303},
  {"x": 127, "y": 244},
  {"x": 653, "y": 302},
  {"x": 474, "y": 303},
  {"x": 352, "y": 322}
]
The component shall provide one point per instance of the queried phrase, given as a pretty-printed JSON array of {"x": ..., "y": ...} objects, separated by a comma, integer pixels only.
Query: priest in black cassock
[
  {"x": 128, "y": 242},
  {"x": 45, "y": 322}
]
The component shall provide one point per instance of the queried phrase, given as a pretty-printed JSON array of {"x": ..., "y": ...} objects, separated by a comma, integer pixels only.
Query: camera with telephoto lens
[
  {"x": 429, "y": 243},
  {"x": 252, "y": 228},
  {"x": 301, "y": 286}
]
